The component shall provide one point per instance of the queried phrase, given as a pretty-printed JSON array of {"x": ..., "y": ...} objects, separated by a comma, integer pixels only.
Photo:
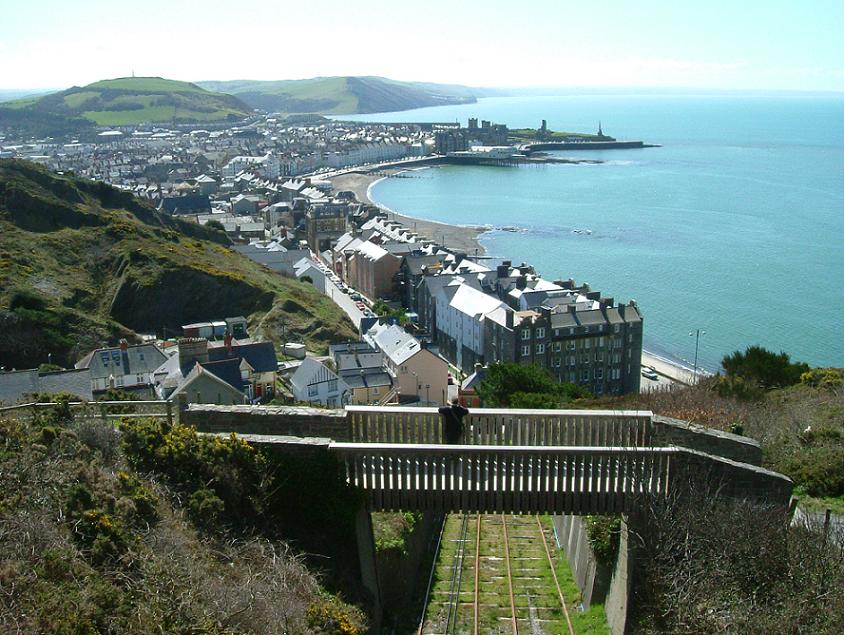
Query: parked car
[
  {"x": 649, "y": 374},
  {"x": 356, "y": 296},
  {"x": 360, "y": 305}
]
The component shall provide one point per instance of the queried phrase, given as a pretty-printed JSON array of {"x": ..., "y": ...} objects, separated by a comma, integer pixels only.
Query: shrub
[
  {"x": 817, "y": 470},
  {"x": 332, "y": 618},
  {"x": 101, "y": 534},
  {"x": 205, "y": 508},
  {"x": 26, "y": 299},
  {"x": 144, "y": 501},
  {"x": 823, "y": 378},
  {"x": 527, "y": 386},
  {"x": 763, "y": 367},
  {"x": 603, "y": 533}
]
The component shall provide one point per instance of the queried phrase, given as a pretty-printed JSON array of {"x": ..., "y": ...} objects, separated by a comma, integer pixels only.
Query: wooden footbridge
[{"x": 510, "y": 461}]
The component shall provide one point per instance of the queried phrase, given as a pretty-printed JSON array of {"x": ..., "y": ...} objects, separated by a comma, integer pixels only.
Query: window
[
  {"x": 616, "y": 328},
  {"x": 570, "y": 346},
  {"x": 601, "y": 341},
  {"x": 558, "y": 346},
  {"x": 540, "y": 349},
  {"x": 599, "y": 374},
  {"x": 572, "y": 360},
  {"x": 587, "y": 343},
  {"x": 599, "y": 357},
  {"x": 557, "y": 362},
  {"x": 332, "y": 385},
  {"x": 585, "y": 375},
  {"x": 540, "y": 332},
  {"x": 525, "y": 351},
  {"x": 525, "y": 334},
  {"x": 312, "y": 390}
]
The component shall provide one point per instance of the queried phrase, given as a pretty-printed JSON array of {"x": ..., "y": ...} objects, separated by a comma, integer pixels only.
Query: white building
[{"x": 313, "y": 382}]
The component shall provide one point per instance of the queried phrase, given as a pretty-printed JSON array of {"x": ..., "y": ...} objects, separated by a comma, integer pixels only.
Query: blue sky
[{"x": 743, "y": 44}]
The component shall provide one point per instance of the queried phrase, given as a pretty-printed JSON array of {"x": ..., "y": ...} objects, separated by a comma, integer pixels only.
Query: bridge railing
[
  {"x": 488, "y": 426},
  {"x": 512, "y": 479}
]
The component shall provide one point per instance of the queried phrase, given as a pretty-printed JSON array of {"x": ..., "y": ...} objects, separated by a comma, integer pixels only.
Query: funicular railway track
[{"x": 494, "y": 574}]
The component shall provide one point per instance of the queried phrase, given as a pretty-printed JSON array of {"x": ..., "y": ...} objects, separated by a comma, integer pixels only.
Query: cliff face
[{"x": 82, "y": 264}]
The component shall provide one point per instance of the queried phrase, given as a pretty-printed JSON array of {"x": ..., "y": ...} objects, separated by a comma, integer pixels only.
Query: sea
[{"x": 733, "y": 228}]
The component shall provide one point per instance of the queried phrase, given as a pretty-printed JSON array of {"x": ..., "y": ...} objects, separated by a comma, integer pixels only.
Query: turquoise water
[{"x": 734, "y": 226}]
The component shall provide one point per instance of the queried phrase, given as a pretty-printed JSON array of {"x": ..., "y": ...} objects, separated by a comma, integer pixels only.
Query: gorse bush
[
  {"x": 227, "y": 468},
  {"x": 89, "y": 545}
]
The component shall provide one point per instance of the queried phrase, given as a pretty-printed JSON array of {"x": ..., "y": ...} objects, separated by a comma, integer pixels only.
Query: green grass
[
  {"x": 820, "y": 504},
  {"x": 529, "y": 134},
  {"x": 134, "y": 100},
  {"x": 146, "y": 84},
  {"x": 154, "y": 114},
  {"x": 75, "y": 100}
]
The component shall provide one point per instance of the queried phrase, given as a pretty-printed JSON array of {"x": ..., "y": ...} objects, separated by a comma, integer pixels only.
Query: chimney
[
  {"x": 193, "y": 349},
  {"x": 508, "y": 318},
  {"x": 228, "y": 342},
  {"x": 124, "y": 345}
]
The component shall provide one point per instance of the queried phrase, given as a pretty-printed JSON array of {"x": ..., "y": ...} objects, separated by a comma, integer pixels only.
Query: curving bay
[{"x": 735, "y": 225}]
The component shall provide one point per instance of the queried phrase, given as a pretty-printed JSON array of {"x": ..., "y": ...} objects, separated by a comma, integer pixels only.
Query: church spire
[{"x": 600, "y": 132}]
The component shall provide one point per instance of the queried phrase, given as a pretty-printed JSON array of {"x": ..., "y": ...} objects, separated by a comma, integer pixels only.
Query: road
[
  {"x": 667, "y": 374},
  {"x": 343, "y": 300}
]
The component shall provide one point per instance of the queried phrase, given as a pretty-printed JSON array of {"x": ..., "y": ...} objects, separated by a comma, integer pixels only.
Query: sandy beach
[
  {"x": 458, "y": 238},
  {"x": 668, "y": 372}
]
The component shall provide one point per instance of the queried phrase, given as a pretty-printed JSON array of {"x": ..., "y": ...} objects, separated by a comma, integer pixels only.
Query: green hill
[
  {"x": 82, "y": 263},
  {"x": 133, "y": 100},
  {"x": 344, "y": 95}
]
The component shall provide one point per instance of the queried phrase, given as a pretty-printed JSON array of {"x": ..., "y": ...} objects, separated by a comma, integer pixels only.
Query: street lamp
[{"x": 697, "y": 333}]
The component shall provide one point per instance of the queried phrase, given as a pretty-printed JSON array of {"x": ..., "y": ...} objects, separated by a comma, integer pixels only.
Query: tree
[
  {"x": 525, "y": 386},
  {"x": 764, "y": 367}
]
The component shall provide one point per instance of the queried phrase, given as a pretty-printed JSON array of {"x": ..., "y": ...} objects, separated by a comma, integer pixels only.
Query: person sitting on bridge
[{"x": 453, "y": 421}]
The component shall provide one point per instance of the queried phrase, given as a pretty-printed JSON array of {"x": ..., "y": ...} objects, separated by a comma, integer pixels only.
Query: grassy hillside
[
  {"x": 343, "y": 95},
  {"x": 159, "y": 530},
  {"x": 134, "y": 100},
  {"x": 82, "y": 263}
]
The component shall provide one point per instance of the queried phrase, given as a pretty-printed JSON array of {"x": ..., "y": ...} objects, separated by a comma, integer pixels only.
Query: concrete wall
[
  {"x": 617, "y": 604},
  {"x": 668, "y": 431},
  {"x": 400, "y": 574},
  {"x": 592, "y": 578}
]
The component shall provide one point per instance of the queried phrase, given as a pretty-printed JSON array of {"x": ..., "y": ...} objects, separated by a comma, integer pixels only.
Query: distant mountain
[
  {"x": 82, "y": 263},
  {"x": 345, "y": 95},
  {"x": 127, "y": 101}
]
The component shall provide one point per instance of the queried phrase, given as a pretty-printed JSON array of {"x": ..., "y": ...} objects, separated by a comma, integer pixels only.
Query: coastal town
[{"x": 292, "y": 195}]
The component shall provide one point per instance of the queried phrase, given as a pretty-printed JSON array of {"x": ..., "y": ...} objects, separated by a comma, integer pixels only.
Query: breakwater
[{"x": 586, "y": 145}]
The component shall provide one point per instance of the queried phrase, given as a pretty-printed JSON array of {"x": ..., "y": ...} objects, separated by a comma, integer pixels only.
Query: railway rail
[{"x": 494, "y": 574}]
